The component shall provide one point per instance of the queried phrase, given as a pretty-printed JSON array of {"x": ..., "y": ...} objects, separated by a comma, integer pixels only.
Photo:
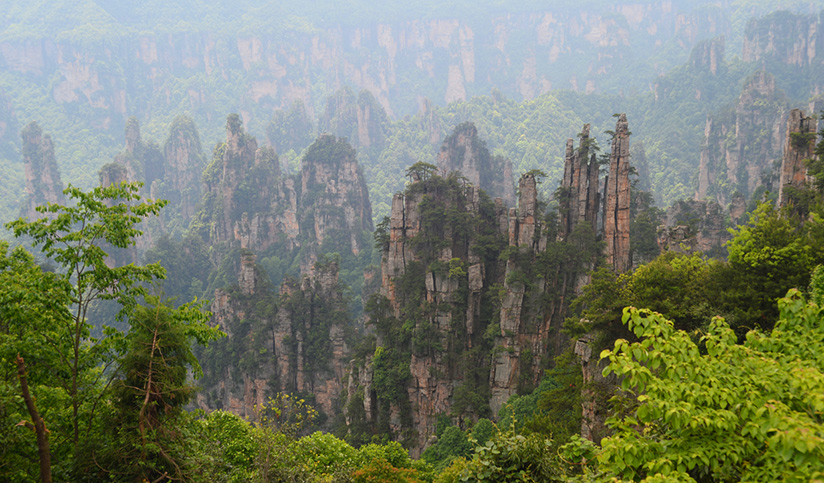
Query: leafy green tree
[
  {"x": 774, "y": 252},
  {"x": 154, "y": 388},
  {"x": 65, "y": 367},
  {"x": 506, "y": 457},
  {"x": 33, "y": 305},
  {"x": 451, "y": 443},
  {"x": 73, "y": 238},
  {"x": 722, "y": 411},
  {"x": 223, "y": 447},
  {"x": 421, "y": 171}
]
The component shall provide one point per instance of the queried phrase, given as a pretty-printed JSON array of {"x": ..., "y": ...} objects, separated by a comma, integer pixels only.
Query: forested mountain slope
[{"x": 81, "y": 70}]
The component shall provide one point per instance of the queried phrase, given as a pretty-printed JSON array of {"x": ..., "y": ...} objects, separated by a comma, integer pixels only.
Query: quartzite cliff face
[
  {"x": 453, "y": 59},
  {"x": 616, "y": 200},
  {"x": 464, "y": 152},
  {"x": 799, "y": 147},
  {"x": 295, "y": 338},
  {"x": 43, "y": 183},
  {"x": 743, "y": 142},
  {"x": 471, "y": 299}
]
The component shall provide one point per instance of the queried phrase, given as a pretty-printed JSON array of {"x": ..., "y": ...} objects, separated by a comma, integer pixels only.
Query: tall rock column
[
  {"x": 617, "y": 199},
  {"x": 183, "y": 167},
  {"x": 463, "y": 151},
  {"x": 799, "y": 147},
  {"x": 43, "y": 184},
  {"x": 580, "y": 186},
  {"x": 515, "y": 338}
]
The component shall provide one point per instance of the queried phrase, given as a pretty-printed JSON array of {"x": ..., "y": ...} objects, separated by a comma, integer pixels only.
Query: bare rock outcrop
[
  {"x": 522, "y": 340},
  {"x": 293, "y": 341},
  {"x": 742, "y": 143},
  {"x": 435, "y": 280},
  {"x": 694, "y": 226},
  {"x": 465, "y": 153},
  {"x": 183, "y": 167},
  {"x": 799, "y": 146},
  {"x": 360, "y": 119},
  {"x": 783, "y": 36},
  {"x": 707, "y": 55},
  {"x": 334, "y": 201},
  {"x": 43, "y": 184},
  {"x": 247, "y": 204},
  {"x": 143, "y": 160},
  {"x": 617, "y": 200},
  {"x": 580, "y": 197}
]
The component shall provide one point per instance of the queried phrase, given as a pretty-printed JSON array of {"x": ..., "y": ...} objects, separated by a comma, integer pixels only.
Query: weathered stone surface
[
  {"x": 594, "y": 415},
  {"x": 707, "y": 55},
  {"x": 296, "y": 340},
  {"x": 530, "y": 236},
  {"x": 617, "y": 200},
  {"x": 143, "y": 160},
  {"x": 694, "y": 225},
  {"x": 464, "y": 152},
  {"x": 360, "y": 119},
  {"x": 580, "y": 197},
  {"x": 784, "y": 37},
  {"x": 246, "y": 278},
  {"x": 43, "y": 184},
  {"x": 334, "y": 200},
  {"x": 742, "y": 143},
  {"x": 799, "y": 146},
  {"x": 248, "y": 204},
  {"x": 284, "y": 342},
  {"x": 183, "y": 156}
]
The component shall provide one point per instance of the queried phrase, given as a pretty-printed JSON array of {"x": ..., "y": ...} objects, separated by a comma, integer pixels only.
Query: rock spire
[
  {"x": 799, "y": 147},
  {"x": 43, "y": 184},
  {"x": 617, "y": 200}
]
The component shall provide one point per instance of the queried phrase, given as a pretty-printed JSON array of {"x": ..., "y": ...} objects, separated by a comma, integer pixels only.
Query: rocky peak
[
  {"x": 694, "y": 225},
  {"x": 183, "y": 156},
  {"x": 617, "y": 200},
  {"x": 112, "y": 173},
  {"x": 707, "y": 55},
  {"x": 291, "y": 130},
  {"x": 132, "y": 134},
  {"x": 334, "y": 201},
  {"x": 239, "y": 145},
  {"x": 579, "y": 187},
  {"x": 742, "y": 142},
  {"x": 143, "y": 160},
  {"x": 361, "y": 119},
  {"x": 429, "y": 121},
  {"x": 784, "y": 37},
  {"x": 246, "y": 276},
  {"x": 291, "y": 340},
  {"x": 247, "y": 203},
  {"x": 464, "y": 152},
  {"x": 43, "y": 184},
  {"x": 799, "y": 146}
]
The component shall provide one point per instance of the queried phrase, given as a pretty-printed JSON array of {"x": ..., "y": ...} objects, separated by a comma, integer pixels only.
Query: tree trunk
[{"x": 37, "y": 422}]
